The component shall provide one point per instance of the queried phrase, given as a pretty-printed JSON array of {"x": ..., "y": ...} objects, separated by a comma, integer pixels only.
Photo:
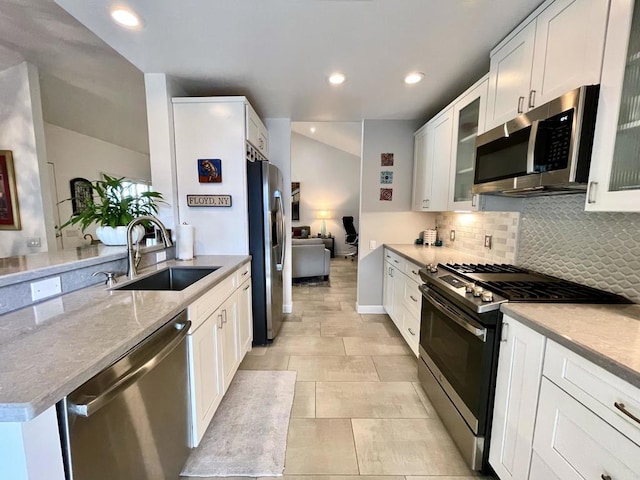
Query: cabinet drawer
[
  {"x": 596, "y": 388},
  {"x": 412, "y": 271},
  {"x": 243, "y": 273},
  {"x": 411, "y": 330},
  {"x": 576, "y": 444},
  {"x": 412, "y": 298},
  {"x": 394, "y": 259}
]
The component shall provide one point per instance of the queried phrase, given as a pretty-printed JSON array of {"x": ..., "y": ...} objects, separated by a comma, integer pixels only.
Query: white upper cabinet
[
  {"x": 468, "y": 121},
  {"x": 257, "y": 134},
  {"x": 556, "y": 51},
  {"x": 614, "y": 177},
  {"x": 432, "y": 159},
  {"x": 510, "y": 77}
]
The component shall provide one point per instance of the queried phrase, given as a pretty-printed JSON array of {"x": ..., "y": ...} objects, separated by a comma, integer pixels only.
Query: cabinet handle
[
  {"x": 245, "y": 273},
  {"x": 224, "y": 315},
  {"x": 388, "y": 256},
  {"x": 246, "y": 288},
  {"x": 390, "y": 272},
  {"x": 520, "y": 104},
  {"x": 411, "y": 332},
  {"x": 473, "y": 200},
  {"x": 395, "y": 261},
  {"x": 220, "y": 321},
  {"x": 505, "y": 329},
  {"x": 427, "y": 200},
  {"x": 605, "y": 477},
  {"x": 413, "y": 298},
  {"x": 591, "y": 197},
  {"x": 532, "y": 98},
  {"x": 414, "y": 272},
  {"x": 622, "y": 408}
]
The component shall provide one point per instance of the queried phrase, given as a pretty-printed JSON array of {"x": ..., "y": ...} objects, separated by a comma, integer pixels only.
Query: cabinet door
[
  {"x": 468, "y": 119},
  {"x": 510, "y": 77},
  {"x": 205, "y": 382},
  {"x": 387, "y": 287},
  {"x": 576, "y": 444},
  {"x": 228, "y": 341},
  {"x": 439, "y": 160},
  {"x": 420, "y": 172},
  {"x": 614, "y": 177},
  {"x": 256, "y": 132},
  {"x": 245, "y": 318},
  {"x": 517, "y": 386},
  {"x": 568, "y": 48}
]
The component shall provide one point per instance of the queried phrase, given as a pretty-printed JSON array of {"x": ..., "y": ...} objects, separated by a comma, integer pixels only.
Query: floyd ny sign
[{"x": 208, "y": 200}]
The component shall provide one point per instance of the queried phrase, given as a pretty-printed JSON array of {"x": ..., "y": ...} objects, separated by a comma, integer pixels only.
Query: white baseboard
[
  {"x": 370, "y": 309},
  {"x": 287, "y": 308}
]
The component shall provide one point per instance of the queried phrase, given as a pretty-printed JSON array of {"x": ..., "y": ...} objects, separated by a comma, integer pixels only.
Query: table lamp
[{"x": 324, "y": 215}]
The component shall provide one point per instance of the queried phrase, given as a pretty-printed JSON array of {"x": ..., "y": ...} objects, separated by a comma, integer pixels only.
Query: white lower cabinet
[
  {"x": 561, "y": 422},
  {"x": 577, "y": 444},
  {"x": 216, "y": 346},
  {"x": 517, "y": 385},
  {"x": 401, "y": 298}
]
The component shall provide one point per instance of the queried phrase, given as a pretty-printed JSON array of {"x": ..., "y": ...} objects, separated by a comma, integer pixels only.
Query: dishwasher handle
[{"x": 110, "y": 392}]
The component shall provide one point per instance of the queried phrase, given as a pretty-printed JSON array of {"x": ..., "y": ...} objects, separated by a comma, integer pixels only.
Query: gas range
[{"x": 483, "y": 287}]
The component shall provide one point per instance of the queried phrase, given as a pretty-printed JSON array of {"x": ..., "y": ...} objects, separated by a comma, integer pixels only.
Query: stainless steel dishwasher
[{"x": 131, "y": 420}]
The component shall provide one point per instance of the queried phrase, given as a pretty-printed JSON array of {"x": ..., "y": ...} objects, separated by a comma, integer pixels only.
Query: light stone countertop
[
  {"x": 607, "y": 335},
  {"x": 48, "y": 350},
  {"x": 424, "y": 255}
]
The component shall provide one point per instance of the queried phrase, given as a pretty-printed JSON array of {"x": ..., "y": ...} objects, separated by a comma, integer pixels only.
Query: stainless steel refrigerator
[{"x": 267, "y": 247}]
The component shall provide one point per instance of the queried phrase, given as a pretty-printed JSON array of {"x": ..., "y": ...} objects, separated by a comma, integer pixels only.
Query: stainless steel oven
[{"x": 458, "y": 358}]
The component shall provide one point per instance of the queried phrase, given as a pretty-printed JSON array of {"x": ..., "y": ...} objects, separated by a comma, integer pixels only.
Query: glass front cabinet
[
  {"x": 468, "y": 120},
  {"x": 614, "y": 180}
]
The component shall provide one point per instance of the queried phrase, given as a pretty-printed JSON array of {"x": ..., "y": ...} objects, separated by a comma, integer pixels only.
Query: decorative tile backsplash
[
  {"x": 471, "y": 229},
  {"x": 599, "y": 249}
]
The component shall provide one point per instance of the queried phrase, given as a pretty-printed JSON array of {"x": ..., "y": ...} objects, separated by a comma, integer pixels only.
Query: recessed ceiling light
[
  {"x": 125, "y": 17},
  {"x": 313, "y": 129},
  {"x": 413, "y": 77},
  {"x": 337, "y": 78}
]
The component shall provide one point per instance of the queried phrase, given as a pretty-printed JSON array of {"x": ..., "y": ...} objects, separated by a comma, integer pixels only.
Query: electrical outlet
[
  {"x": 452, "y": 235},
  {"x": 161, "y": 256},
  {"x": 487, "y": 241},
  {"x": 45, "y": 288},
  {"x": 372, "y": 244},
  {"x": 34, "y": 242}
]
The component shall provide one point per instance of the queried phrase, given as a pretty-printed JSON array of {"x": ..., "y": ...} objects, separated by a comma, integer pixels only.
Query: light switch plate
[
  {"x": 452, "y": 235},
  {"x": 45, "y": 288},
  {"x": 34, "y": 242},
  {"x": 372, "y": 244},
  {"x": 161, "y": 256},
  {"x": 487, "y": 241}
]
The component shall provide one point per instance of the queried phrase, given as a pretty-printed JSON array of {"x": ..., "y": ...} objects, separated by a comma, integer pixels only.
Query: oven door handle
[{"x": 455, "y": 316}]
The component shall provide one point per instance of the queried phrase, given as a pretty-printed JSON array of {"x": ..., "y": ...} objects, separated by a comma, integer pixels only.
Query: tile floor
[{"x": 358, "y": 408}]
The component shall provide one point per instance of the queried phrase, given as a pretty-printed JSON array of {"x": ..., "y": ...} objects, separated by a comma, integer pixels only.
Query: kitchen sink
[{"x": 172, "y": 278}]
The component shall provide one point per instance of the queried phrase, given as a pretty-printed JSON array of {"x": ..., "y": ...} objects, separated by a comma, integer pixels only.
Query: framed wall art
[
  {"x": 9, "y": 211},
  {"x": 209, "y": 170}
]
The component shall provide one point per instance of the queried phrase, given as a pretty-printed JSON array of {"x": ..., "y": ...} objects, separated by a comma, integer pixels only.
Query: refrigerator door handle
[{"x": 281, "y": 232}]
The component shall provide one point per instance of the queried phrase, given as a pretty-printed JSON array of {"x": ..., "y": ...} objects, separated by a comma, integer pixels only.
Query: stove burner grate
[
  {"x": 553, "y": 292},
  {"x": 463, "y": 268}
]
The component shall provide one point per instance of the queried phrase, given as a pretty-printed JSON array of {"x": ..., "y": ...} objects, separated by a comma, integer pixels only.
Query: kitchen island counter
[
  {"x": 49, "y": 349},
  {"x": 607, "y": 335}
]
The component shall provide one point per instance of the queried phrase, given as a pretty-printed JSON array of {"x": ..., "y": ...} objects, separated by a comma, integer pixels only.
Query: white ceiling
[
  {"x": 345, "y": 136},
  {"x": 279, "y": 52}
]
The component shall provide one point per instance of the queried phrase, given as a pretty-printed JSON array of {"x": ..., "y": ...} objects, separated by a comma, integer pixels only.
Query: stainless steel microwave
[{"x": 544, "y": 151}]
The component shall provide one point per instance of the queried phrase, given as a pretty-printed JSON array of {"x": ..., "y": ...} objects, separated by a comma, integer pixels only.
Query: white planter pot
[{"x": 118, "y": 235}]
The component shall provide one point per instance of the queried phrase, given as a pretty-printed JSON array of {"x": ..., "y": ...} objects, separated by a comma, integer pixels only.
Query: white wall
[
  {"x": 76, "y": 155},
  {"x": 329, "y": 180},
  {"x": 384, "y": 221},
  {"x": 21, "y": 131},
  {"x": 280, "y": 155},
  {"x": 159, "y": 91}
]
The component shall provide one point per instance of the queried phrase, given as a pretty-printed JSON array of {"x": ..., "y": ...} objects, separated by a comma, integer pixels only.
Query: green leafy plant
[{"x": 113, "y": 204}]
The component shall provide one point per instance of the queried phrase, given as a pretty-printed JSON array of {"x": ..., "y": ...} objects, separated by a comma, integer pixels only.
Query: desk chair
[{"x": 351, "y": 236}]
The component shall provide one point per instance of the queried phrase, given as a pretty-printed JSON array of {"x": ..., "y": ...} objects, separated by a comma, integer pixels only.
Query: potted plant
[{"x": 112, "y": 206}]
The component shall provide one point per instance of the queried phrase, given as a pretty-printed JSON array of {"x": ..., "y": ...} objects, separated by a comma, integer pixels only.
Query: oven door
[{"x": 457, "y": 348}]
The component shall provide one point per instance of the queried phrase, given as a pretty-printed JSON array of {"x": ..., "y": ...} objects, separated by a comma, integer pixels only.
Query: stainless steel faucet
[{"x": 134, "y": 250}]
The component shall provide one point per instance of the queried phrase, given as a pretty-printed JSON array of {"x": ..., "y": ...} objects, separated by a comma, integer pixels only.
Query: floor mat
[{"x": 248, "y": 434}]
